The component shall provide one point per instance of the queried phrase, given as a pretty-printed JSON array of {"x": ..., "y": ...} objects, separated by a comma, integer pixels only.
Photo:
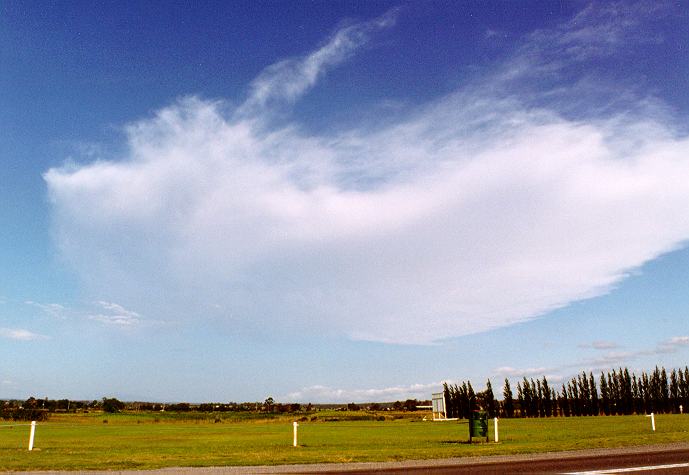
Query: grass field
[{"x": 151, "y": 440}]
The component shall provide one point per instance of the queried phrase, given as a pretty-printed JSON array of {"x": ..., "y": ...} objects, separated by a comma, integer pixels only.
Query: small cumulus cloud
[
  {"x": 603, "y": 345},
  {"x": 679, "y": 340},
  {"x": 21, "y": 334},
  {"x": 672, "y": 345},
  {"x": 612, "y": 359},
  {"x": 552, "y": 374},
  {"x": 510, "y": 372},
  {"x": 600, "y": 345},
  {"x": 488, "y": 206}
]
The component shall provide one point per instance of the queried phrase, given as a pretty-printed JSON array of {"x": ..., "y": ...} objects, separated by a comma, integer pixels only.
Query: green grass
[{"x": 150, "y": 440}]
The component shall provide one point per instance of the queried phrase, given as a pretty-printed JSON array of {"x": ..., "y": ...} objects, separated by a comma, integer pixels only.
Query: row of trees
[
  {"x": 617, "y": 392},
  {"x": 461, "y": 400}
]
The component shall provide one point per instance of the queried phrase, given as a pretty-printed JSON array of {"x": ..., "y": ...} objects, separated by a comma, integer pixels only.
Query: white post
[
  {"x": 32, "y": 434},
  {"x": 653, "y": 421},
  {"x": 680, "y": 409},
  {"x": 495, "y": 422},
  {"x": 295, "y": 425}
]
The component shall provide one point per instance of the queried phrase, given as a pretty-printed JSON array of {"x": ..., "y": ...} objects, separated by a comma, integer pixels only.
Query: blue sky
[{"x": 339, "y": 201}]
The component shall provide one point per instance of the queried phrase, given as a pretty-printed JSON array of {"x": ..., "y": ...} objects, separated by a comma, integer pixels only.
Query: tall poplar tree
[
  {"x": 604, "y": 395},
  {"x": 664, "y": 391},
  {"x": 564, "y": 402},
  {"x": 489, "y": 400},
  {"x": 674, "y": 391},
  {"x": 595, "y": 410},
  {"x": 547, "y": 398},
  {"x": 507, "y": 399}
]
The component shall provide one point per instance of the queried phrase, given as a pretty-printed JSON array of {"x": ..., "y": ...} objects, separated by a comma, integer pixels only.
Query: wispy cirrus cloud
[
  {"x": 108, "y": 313},
  {"x": 55, "y": 310},
  {"x": 488, "y": 206},
  {"x": 287, "y": 80},
  {"x": 114, "y": 314},
  {"x": 599, "y": 30}
]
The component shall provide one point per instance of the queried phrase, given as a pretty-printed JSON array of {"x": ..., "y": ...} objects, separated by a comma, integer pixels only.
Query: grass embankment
[{"x": 150, "y": 440}]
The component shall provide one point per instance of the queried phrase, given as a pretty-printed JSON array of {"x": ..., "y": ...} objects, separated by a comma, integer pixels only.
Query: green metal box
[{"x": 478, "y": 425}]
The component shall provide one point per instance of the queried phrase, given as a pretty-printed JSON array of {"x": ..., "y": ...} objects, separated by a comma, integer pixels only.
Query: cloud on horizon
[
  {"x": 486, "y": 207},
  {"x": 606, "y": 361},
  {"x": 320, "y": 393}
]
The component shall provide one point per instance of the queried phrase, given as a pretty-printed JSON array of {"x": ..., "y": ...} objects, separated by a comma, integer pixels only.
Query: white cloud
[
  {"x": 55, "y": 310},
  {"x": 603, "y": 345},
  {"x": 600, "y": 345},
  {"x": 602, "y": 362},
  {"x": 672, "y": 345},
  {"x": 116, "y": 315},
  {"x": 108, "y": 313},
  {"x": 612, "y": 359},
  {"x": 320, "y": 393},
  {"x": 20, "y": 334},
  {"x": 479, "y": 210},
  {"x": 679, "y": 340},
  {"x": 289, "y": 79},
  {"x": 510, "y": 372}
]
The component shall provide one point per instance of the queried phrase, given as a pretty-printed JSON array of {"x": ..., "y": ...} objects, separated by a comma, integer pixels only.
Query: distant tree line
[
  {"x": 30, "y": 410},
  {"x": 616, "y": 393},
  {"x": 39, "y": 409}
]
